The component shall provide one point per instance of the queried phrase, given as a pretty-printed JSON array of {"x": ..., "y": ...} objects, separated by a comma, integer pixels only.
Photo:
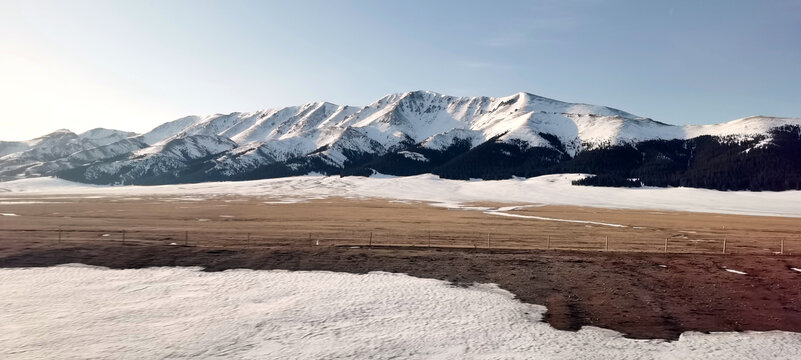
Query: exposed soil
[{"x": 639, "y": 294}]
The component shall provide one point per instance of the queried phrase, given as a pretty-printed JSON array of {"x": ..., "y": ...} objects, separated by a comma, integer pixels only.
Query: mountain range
[{"x": 420, "y": 132}]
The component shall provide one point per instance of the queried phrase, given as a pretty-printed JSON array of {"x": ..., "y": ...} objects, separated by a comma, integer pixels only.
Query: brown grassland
[{"x": 336, "y": 221}]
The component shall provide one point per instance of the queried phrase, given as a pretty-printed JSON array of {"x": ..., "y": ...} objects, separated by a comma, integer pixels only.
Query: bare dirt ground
[{"x": 634, "y": 288}]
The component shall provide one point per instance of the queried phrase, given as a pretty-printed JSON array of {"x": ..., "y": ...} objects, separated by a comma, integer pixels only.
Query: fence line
[{"x": 726, "y": 244}]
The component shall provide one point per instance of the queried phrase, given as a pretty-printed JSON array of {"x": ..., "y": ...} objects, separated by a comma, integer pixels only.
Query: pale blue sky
[{"x": 135, "y": 64}]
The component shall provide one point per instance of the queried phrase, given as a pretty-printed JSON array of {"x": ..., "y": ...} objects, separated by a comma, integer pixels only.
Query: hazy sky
[{"x": 135, "y": 64}]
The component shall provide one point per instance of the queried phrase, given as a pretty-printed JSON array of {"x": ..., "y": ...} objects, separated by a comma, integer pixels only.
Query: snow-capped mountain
[
  {"x": 55, "y": 147},
  {"x": 417, "y": 131}
]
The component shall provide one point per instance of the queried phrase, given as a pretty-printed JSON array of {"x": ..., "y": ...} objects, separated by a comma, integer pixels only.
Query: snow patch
[
  {"x": 500, "y": 213},
  {"x": 161, "y": 313},
  {"x": 735, "y": 271},
  {"x": 414, "y": 156},
  {"x": 285, "y": 201}
]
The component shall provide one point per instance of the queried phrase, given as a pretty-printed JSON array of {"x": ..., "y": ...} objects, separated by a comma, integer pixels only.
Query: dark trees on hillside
[
  {"x": 703, "y": 162},
  {"x": 709, "y": 162}
]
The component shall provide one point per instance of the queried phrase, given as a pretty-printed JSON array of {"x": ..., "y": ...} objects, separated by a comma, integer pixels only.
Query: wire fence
[{"x": 783, "y": 244}]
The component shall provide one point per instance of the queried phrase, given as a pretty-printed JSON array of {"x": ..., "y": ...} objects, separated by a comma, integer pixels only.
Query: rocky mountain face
[{"x": 418, "y": 132}]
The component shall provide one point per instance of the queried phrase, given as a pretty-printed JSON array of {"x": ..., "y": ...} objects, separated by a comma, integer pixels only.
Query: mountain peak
[
  {"x": 325, "y": 137},
  {"x": 59, "y": 132}
]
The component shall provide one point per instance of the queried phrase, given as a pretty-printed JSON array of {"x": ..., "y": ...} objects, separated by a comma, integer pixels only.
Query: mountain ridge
[{"x": 416, "y": 126}]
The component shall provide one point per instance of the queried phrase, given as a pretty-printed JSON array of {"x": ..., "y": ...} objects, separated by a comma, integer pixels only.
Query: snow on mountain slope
[
  {"x": 63, "y": 150},
  {"x": 413, "y": 116},
  {"x": 276, "y": 135},
  {"x": 350, "y": 141},
  {"x": 424, "y": 116},
  {"x": 101, "y": 136},
  {"x": 448, "y": 138},
  {"x": 100, "y": 153},
  {"x": 264, "y": 126},
  {"x": 169, "y": 129},
  {"x": 63, "y": 143},
  {"x": 308, "y": 119},
  {"x": 289, "y": 122},
  {"x": 244, "y": 158},
  {"x": 753, "y": 125},
  {"x": 114, "y": 149},
  {"x": 166, "y": 158},
  {"x": 435, "y": 119},
  {"x": 336, "y": 134},
  {"x": 57, "y": 144},
  {"x": 214, "y": 125},
  {"x": 190, "y": 147},
  {"x": 600, "y": 130},
  {"x": 50, "y": 138}
]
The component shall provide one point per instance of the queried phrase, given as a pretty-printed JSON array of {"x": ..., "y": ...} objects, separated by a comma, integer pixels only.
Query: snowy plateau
[{"x": 415, "y": 133}]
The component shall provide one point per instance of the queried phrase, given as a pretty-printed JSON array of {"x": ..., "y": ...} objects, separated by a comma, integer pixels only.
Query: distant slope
[{"x": 549, "y": 189}]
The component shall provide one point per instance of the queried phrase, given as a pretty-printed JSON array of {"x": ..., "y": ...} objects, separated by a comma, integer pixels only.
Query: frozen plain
[
  {"x": 546, "y": 190},
  {"x": 76, "y": 311}
]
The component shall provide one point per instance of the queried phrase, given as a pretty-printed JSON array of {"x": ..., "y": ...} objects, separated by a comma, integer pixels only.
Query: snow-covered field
[
  {"x": 75, "y": 311},
  {"x": 549, "y": 189}
]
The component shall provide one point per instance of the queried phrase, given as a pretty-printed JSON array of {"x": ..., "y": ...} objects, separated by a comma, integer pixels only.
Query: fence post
[
  {"x": 549, "y": 242},
  {"x": 488, "y": 241},
  {"x": 666, "y": 242},
  {"x": 371, "y": 239},
  {"x": 429, "y": 238},
  {"x": 724, "y": 245},
  {"x": 782, "y": 250},
  {"x": 607, "y": 243}
]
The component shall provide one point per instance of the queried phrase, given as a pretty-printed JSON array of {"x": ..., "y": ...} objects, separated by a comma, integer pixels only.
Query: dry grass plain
[{"x": 254, "y": 222}]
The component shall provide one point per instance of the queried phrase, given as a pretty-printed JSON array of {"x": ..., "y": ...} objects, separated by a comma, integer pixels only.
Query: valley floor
[{"x": 623, "y": 278}]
